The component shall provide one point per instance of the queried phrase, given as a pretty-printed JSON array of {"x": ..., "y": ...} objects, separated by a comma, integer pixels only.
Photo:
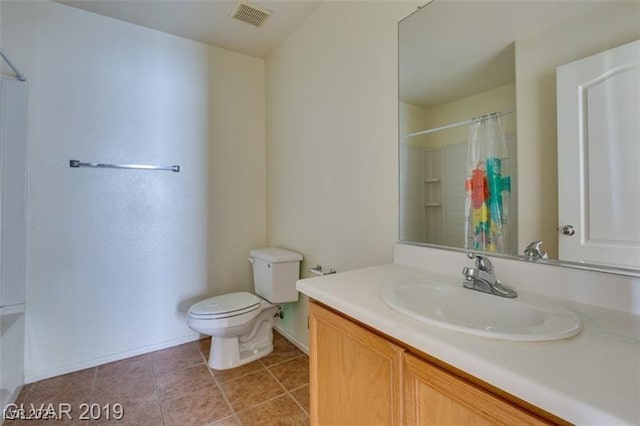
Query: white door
[{"x": 599, "y": 158}]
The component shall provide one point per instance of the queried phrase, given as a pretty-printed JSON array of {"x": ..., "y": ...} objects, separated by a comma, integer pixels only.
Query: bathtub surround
[
  {"x": 116, "y": 257},
  {"x": 14, "y": 96}
]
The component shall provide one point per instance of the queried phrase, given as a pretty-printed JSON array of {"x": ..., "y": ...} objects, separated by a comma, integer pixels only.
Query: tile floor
[{"x": 175, "y": 386}]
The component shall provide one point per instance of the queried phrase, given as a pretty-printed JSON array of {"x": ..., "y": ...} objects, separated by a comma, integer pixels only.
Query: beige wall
[
  {"x": 499, "y": 99},
  {"x": 237, "y": 173},
  {"x": 414, "y": 118},
  {"x": 332, "y": 140},
  {"x": 536, "y": 60}
]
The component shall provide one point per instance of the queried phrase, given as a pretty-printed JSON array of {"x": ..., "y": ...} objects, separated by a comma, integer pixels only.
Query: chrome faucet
[
  {"x": 534, "y": 251},
  {"x": 482, "y": 277}
]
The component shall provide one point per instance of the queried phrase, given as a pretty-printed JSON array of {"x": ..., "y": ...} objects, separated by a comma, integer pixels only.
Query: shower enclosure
[{"x": 13, "y": 156}]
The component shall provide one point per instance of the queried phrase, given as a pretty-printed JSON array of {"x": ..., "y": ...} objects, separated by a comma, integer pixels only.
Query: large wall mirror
[{"x": 501, "y": 103}]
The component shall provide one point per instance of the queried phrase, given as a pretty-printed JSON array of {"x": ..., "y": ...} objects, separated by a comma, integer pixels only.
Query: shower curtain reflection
[{"x": 488, "y": 186}]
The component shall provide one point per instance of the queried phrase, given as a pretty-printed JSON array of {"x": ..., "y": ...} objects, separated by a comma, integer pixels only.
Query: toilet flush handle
[{"x": 251, "y": 260}]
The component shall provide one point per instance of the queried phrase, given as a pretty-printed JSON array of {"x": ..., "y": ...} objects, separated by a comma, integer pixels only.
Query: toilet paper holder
[{"x": 318, "y": 270}]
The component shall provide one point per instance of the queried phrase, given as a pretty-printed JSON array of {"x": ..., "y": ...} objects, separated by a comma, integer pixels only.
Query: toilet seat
[{"x": 225, "y": 306}]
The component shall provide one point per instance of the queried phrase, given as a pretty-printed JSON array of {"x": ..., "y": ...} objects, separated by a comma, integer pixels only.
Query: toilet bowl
[{"x": 241, "y": 324}]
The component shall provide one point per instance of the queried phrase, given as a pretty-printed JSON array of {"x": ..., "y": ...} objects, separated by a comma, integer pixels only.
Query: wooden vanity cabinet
[
  {"x": 356, "y": 375},
  {"x": 359, "y": 377}
]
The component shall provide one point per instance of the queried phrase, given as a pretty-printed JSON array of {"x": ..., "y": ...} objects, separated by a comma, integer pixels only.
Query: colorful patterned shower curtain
[{"x": 488, "y": 186}]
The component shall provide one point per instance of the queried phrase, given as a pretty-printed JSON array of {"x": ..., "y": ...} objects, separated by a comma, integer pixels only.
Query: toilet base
[
  {"x": 231, "y": 352},
  {"x": 224, "y": 361}
]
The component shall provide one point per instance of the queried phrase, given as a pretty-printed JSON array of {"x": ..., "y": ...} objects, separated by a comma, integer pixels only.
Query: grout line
[
  {"x": 234, "y": 413},
  {"x": 282, "y": 362},
  {"x": 222, "y": 391},
  {"x": 299, "y": 387},
  {"x": 155, "y": 386},
  {"x": 288, "y": 392},
  {"x": 92, "y": 395},
  {"x": 263, "y": 402},
  {"x": 224, "y": 418}
]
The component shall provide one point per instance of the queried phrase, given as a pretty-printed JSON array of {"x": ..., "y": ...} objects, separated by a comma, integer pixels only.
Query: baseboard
[
  {"x": 30, "y": 378},
  {"x": 292, "y": 339}
]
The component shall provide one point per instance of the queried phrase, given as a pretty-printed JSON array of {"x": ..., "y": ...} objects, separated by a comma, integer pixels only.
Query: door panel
[{"x": 599, "y": 157}]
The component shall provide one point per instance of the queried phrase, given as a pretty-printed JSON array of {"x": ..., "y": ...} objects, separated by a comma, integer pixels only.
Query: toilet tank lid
[{"x": 275, "y": 255}]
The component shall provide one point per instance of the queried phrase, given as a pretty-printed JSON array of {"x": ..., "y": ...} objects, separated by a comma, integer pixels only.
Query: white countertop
[{"x": 592, "y": 378}]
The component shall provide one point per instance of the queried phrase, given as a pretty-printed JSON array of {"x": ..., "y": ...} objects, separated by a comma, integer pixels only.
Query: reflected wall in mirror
[{"x": 460, "y": 61}]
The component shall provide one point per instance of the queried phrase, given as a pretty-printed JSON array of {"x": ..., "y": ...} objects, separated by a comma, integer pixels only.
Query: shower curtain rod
[
  {"x": 459, "y": 123},
  {"x": 19, "y": 76}
]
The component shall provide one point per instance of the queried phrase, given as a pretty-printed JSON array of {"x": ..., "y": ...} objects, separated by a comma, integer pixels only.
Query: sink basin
[{"x": 525, "y": 318}]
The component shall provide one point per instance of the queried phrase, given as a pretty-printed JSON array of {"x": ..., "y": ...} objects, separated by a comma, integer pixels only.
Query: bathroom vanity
[
  {"x": 373, "y": 365},
  {"x": 396, "y": 383}
]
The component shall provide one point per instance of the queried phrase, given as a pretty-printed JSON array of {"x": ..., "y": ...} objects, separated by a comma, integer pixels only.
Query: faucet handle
[
  {"x": 534, "y": 251},
  {"x": 482, "y": 262}
]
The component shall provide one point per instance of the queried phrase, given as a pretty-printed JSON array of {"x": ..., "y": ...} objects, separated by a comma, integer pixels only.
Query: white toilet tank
[{"x": 275, "y": 272}]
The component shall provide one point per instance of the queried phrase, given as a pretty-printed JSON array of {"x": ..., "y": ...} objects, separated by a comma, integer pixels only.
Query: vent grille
[{"x": 251, "y": 14}]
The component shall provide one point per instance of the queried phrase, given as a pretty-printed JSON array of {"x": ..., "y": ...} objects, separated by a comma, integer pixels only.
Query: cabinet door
[
  {"x": 356, "y": 376},
  {"x": 436, "y": 397}
]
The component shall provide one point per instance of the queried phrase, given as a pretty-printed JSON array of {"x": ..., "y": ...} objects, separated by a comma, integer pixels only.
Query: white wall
[
  {"x": 115, "y": 257},
  {"x": 411, "y": 174},
  {"x": 332, "y": 140},
  {"x": 411, "y": 192}
]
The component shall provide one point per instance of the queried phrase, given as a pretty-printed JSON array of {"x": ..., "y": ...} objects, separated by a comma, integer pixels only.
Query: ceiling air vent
[{"x": 251, "y": 14}]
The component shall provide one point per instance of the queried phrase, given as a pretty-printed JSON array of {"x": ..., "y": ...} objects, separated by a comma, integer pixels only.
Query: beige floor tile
[
  {"x": 302, "y": 396},
  {"x": 72, "y": 418},
  {"x": 283, "y": 350},
  {"x": 251, "y": 390},
  {"x": 149, "y": 416},
  {"x": 234, "y": 373},
  {"x": 22, "y": 395},
  {"x": 132, "y": 395},
  {"x": 204, "y": 346},
  {"x": 80, "y": 380},
  {"x": 70, "y": 390},
  {"x": 175, "y": 358},
  {"x": 227, "y": 421},
  {"x": 177, "y": 383},
  {"x": 277, "y": 335},
  {"x": 279, "y": 411},
  {"x": 125, "y": 371},
  {"x": 175, "y": 387},
  {"x": 293, "y": 373},
  {"x": 196, "y": 409}
]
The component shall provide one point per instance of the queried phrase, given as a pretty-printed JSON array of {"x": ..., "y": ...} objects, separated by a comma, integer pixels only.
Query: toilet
[{"x": 241, "y": 323}]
